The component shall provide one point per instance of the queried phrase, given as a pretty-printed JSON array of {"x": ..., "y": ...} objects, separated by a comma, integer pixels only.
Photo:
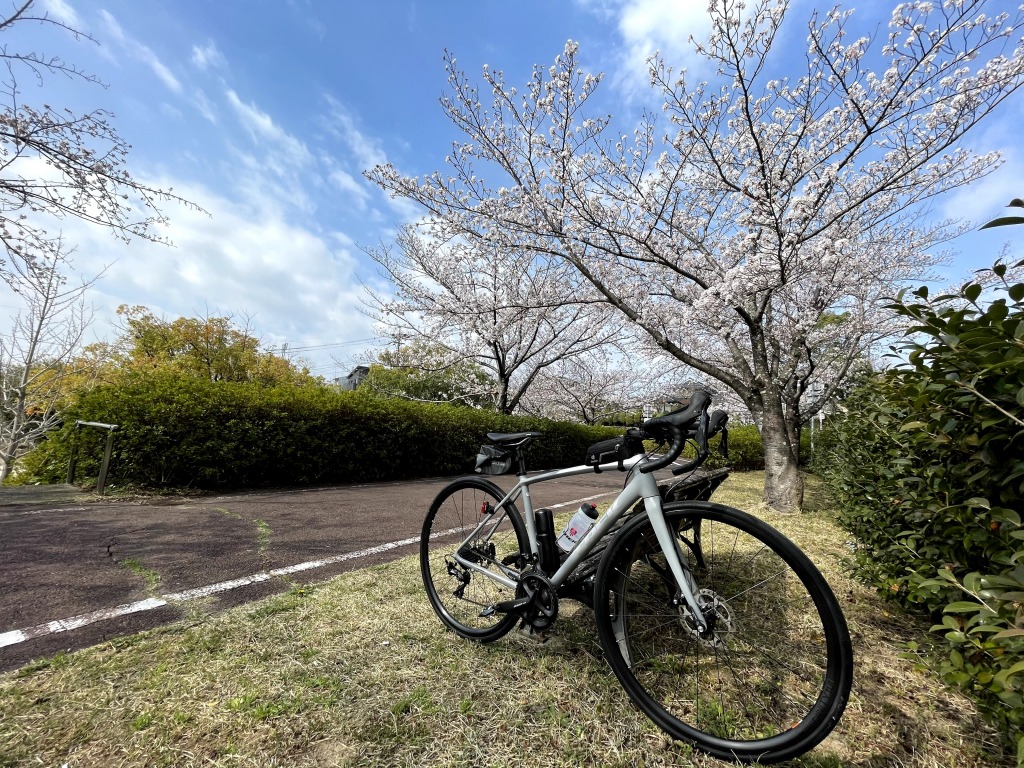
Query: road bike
[{"x": 717, "y": 626}]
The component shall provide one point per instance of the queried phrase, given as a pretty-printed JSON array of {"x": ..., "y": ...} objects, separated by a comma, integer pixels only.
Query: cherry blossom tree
[
  {"x": 512, "y": 312},
  {"x": 56, "y": 164},
  {"x": 601, "y": 384},
  {"x": 756, "y": 226}
]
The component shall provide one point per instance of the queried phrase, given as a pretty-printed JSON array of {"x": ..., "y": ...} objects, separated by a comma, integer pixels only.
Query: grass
[
  {"x": 151, "y": 577},
  {"x": 357, "y": 671}
]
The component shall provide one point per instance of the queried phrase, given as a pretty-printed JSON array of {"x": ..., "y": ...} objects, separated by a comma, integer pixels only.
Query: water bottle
[{"x": 578, "y": 527}]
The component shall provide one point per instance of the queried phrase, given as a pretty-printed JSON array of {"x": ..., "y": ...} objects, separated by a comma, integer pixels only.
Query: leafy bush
[
  {"x": 189, "y": 432},
  {"x": 928, "y": 471}
]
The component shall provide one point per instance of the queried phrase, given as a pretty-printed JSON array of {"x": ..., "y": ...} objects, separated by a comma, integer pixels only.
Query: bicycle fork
[{"x": 670, "y": 547}]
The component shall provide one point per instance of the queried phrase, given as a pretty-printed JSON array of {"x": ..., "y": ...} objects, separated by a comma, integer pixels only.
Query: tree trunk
[{"x": 783, "y": 483}]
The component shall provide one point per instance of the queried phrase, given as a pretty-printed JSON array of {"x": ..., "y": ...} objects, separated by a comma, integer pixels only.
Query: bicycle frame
[{"x": 640, "y": 486}]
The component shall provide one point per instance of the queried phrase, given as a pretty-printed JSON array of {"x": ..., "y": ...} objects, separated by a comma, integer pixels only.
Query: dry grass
[{"x": 359, "y": 672}]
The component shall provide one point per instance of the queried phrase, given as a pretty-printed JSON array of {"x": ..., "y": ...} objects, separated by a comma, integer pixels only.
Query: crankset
[{"x": 536, "y": 602}]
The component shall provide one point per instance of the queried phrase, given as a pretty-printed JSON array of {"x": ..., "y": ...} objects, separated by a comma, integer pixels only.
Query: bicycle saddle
[{"x": 512, "y": 439}]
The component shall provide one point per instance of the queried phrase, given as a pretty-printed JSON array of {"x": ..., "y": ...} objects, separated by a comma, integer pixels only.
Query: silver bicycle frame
[{"x": 640, "y": 486}]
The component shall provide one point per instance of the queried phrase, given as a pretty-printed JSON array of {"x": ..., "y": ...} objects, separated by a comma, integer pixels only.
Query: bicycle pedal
[{"x": 487, "y": 612}]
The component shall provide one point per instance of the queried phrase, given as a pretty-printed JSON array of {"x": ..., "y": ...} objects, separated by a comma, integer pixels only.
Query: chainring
[{"x": 542, "y": 610}]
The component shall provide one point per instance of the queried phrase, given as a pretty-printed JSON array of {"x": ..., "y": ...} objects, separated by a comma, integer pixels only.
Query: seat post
[{"x": 520, "y": 461}]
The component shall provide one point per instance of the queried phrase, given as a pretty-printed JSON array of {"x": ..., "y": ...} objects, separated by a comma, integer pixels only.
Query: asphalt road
[{"x": 76, "y": 574}]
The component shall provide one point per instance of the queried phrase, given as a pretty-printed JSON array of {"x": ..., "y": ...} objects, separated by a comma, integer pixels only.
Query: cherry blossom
[{"x": 756, "y": 225}]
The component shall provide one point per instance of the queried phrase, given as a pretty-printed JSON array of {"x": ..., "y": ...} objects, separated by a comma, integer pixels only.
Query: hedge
[
  {"x": 177, "y": 432},
  {"x": 928, "y": 474}
]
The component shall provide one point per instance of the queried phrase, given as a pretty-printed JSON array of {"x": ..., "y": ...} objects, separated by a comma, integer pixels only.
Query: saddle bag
[{"x": 493, "y": 460}]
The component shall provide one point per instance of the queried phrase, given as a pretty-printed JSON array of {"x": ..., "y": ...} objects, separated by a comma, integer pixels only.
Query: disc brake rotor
[{"x": 718, "y": 615}]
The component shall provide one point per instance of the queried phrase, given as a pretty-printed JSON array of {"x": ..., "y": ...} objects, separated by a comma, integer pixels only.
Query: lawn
[{"x": 358, "y": 671}]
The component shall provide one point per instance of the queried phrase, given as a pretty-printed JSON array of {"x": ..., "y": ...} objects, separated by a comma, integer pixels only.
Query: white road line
[
  {"x": 46, "y": 511},
  {"x": 16, "y": 636}
]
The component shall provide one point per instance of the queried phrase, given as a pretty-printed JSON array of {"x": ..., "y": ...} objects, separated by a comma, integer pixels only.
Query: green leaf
[
  {"x": 1004, "y": 515},
  {"x": 1003, "y": 221},
  {"x": 978, "y": 501},
  {"x": 972, "y": 292},
  {"x": 997, "y": 311},
  {"x": 962, "y": 606},
  {"x": 913, "y": 425}
]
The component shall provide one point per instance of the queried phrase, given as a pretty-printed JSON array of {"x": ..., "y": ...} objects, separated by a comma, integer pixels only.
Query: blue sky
[{"x": 265, "y": 113}]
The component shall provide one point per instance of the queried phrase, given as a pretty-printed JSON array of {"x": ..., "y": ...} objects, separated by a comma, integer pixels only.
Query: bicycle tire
[
  {"x": 458, "y": 595},
  {"x": 772, "y": 677}
]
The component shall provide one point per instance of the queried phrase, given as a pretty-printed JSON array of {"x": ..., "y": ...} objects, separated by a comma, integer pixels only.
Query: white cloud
[
  {"x": 170, "y": 110},
  {"x": 205, "y": 106},
  {"x": 649, "y": 26},
  {"x": 140, "y": 52},
  {"x": 366, "y": 151},
  {"x": 63, "y": 12},
  {"x": 299, "y": 287},
  {"x": 278, "y": 169},
  {"x": 348, "y": 185},
  {"x": 166, "y": 76},
  {"x": 206, "y": 56},
  {"x": 262, "y": 128}
]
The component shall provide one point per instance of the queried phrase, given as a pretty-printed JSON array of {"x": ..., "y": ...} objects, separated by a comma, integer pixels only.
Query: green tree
[
  {"x": 1003, "y": 221},
  {"x": 213, "y": 348}
]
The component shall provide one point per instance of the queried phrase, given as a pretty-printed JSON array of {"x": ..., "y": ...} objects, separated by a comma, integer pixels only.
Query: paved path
[{"x": 75, "y": 574}]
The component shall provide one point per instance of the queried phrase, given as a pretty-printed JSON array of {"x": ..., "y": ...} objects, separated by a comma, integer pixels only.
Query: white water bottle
[{"x": 578, "y": 527}]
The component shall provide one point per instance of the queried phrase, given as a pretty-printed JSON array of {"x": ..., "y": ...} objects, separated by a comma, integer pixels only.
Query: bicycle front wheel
[
  {"x": 467, "y": 538},
  {"x": 770, "y": 675}
]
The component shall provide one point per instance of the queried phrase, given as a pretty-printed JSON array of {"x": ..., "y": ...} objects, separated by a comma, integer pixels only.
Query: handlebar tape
[{"x": 676, "y": 425}]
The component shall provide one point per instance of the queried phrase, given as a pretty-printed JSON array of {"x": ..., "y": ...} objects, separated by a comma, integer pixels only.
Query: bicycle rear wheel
[
  {"x": 458, "y": 593},
  {"x": 770, "y": 677}
]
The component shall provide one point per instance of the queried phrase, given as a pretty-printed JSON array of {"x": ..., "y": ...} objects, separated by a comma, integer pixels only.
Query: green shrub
[
  {"x": 187, "y": 432},
  {"x": 928, "y": 473}
]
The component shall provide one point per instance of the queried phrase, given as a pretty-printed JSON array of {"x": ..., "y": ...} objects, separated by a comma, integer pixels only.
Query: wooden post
[
  {"x": 74, "y": 455},
  {"x": 105, "y": 464}
]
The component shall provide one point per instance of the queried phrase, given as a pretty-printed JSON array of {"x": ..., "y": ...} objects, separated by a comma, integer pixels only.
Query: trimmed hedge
[
  {"x": 928, "y": 474},
  {"x": 184, "y": 432}
]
